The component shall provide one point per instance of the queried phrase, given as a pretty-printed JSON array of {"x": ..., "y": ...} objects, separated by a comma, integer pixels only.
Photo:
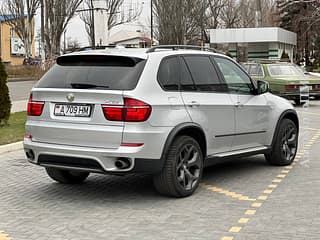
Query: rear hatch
[{"x": 74, "y": 93}]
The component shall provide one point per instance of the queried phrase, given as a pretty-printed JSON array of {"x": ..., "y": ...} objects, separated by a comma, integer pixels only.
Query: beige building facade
[{"x": 11, "y": 47}]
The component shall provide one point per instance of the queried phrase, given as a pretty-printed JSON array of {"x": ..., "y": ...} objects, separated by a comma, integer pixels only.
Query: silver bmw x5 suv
[{"x": 168, "y": 111}]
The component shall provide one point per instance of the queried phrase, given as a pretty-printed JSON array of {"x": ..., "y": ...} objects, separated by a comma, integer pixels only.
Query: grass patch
[{"x": 14, "y": 132}]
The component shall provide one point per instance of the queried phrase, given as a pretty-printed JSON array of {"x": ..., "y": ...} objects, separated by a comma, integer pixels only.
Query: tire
[
  {"x": 285, "y": 145},
  {"x": 182, "y": 169},
  {"x": 66, "y": 176}
]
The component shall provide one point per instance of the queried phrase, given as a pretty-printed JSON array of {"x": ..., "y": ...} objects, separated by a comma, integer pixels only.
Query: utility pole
[
  {"x": 258, "y": 20},
  {"x": 42, "y": 53},
  {"x": 93, "y": 44}
]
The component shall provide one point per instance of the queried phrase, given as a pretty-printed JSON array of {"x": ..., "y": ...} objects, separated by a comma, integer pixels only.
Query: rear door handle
[{"x": 193, "y": 104}]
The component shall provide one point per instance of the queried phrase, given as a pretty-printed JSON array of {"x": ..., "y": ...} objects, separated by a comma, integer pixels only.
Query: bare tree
[
  {"x": 73, "y": 45},
  {"x": 302, "y": 17},
  {"x": 180, "y": 21},
  {"x": 242, "y": 13},
  {"x": 270, "y": 13},
  {"x": 246, "y": 9},
  {"x": 230, "y": 15},
  {"x": 58, "y": 14},
  {"x": 214, "y": 12},
  {"x": 19, "y": 14},
  {"x": 117, "y": 13},
  {"x": 87, "y": 16}
]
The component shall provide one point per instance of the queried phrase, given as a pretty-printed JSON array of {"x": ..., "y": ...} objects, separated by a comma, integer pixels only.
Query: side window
[
  {"x": 204, "y": 74},
  {"x": 254, "y": 69},
  {"x": 168, "y": 74},
  {"x": 234, "y": 76}
]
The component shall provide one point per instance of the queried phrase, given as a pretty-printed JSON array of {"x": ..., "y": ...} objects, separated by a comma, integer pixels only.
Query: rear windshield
[
  {"x": 284, "y": 70},
  {"x": 94, "y": 72}
]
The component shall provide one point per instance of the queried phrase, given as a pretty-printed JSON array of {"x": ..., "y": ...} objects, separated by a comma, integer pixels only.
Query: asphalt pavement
[
  {"x": 243, "y": 199},
  {"x": 20, "y": 90},
  {"x": 19, "y": 93}
]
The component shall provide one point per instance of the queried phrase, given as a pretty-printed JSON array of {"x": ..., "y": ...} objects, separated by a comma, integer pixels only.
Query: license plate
[
  {"x": 72, "y": 110},
  {"x": 305, "y": 88}
]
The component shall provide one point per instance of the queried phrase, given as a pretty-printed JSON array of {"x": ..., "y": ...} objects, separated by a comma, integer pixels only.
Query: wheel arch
[
  {"x": 189, "y": 129},
  {"x": 288, "y": 114}
]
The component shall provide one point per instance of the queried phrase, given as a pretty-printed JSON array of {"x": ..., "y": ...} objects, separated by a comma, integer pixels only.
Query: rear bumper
[
  {"x": 297, "y": 95},
  {"x": 90, "y": 159}
]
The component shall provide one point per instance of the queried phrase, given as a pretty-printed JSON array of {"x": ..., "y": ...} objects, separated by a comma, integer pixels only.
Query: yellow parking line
[
  {"x": 256, "y": 204},
  {"x": 311, "y": 129},
  {"x": 243, "y": 220},
  {"x": 277, "y": 180},
  {"x": 4, "y": 236},
  {"x": 226, "y": 192},
  {"x": 262, "y": 197},
  {"x": 250, "y": 212},
  {"x": 281, "y": 176},
  {"x": 227, "y": 238},
  {"x": 285, "y": 170},
  {"x": 268, "y": 191},
  {"x": 235, "y": 229}
]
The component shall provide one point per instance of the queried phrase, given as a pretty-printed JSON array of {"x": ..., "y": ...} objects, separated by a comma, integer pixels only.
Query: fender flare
[
  {"x": 282, "y": 116},
  {"x": 175, "y": 131}
]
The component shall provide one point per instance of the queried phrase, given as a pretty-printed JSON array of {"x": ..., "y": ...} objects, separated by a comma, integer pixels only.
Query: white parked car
[{"x": 168, "y": 111}]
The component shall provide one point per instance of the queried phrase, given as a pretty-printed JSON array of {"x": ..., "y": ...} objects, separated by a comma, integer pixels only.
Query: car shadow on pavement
[
  {"x": 235, "y": 167},
  {"x": 109, "y": 188}
]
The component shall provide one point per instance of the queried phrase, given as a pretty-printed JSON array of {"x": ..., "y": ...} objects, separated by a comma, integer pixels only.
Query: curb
[{"x": 11, "y": 147}]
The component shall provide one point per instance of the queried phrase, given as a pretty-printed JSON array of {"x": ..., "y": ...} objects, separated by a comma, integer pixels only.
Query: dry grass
[{"x": 22, "y": 71}]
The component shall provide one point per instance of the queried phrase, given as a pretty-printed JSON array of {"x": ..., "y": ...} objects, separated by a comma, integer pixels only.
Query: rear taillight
[
  {"x": 133, "y": 110},
  {"x": 35, "y": 107},
  {"x": 291, "y": 87},
  {"x": 316, "y": 86}
]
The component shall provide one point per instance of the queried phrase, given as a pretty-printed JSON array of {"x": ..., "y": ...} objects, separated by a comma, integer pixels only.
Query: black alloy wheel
[
  {"x": 285, "y": 145},
  {"x": 182, "y": 170},
  {"x": 189, "y": 166}
]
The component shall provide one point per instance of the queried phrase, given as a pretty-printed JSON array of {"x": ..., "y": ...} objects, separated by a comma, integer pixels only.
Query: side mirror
[{"x": 263, "y": 87}]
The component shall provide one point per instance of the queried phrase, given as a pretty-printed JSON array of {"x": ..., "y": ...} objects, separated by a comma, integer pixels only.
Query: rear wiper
[{"x": 87, "y": 86}]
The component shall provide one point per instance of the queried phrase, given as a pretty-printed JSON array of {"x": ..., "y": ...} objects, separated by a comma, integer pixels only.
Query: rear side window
[
  {"x": 203, "y": 73},
  {"x": 168, "y": 74},
  {"x": 254, "y": 70},
  {"x": 94, "y": 72}
]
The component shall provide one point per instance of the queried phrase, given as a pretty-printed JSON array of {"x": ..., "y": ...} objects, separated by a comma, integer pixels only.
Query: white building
[
  {"x": 260, "y": 43},
  {"x": 130, "y": 39}
]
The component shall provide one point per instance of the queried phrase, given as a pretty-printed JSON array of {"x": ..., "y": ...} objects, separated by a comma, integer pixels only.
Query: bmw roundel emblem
[{"x": 70, "y": 97}]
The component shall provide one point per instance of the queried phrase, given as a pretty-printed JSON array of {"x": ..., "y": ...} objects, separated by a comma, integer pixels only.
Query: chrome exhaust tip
[{"x": 123, "y": 163}]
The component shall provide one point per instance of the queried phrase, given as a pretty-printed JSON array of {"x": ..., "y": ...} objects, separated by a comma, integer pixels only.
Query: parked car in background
[
  {"x": 286, "y": 79},
  {"x": 33, "y": 61}
]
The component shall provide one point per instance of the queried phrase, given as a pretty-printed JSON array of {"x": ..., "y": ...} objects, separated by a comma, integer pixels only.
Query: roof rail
[{"x": 177, "y": 47}]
